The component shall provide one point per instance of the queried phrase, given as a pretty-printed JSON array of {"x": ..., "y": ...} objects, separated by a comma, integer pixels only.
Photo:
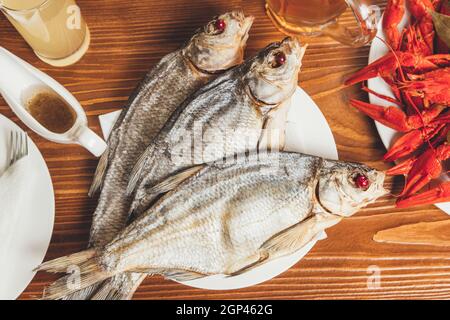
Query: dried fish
[
  {"x": 224, "y": 118},
  {"x": 212, "y": 50},
  {"x": 228, "y": 218}
]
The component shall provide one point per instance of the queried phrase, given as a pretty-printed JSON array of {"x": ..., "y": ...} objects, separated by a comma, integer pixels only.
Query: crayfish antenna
[
  {"x": 385, "y": 65},
  {"x": 381, "y": 96}
]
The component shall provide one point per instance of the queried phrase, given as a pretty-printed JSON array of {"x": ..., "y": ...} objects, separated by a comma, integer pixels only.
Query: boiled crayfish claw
[
  {"x": 427, "y": 166},
  {"x": 386, "y": 66},
  {"x": 410, "y": 142},
  {"x": 441, "y": 193},
  {"x": 393, "y": 14},
  {"x": 395, "y": 118}
]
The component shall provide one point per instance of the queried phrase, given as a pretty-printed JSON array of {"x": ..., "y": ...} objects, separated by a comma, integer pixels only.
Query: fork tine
[
  {"x": 26, "y": 144},
  {"x": 18, "y": 146},
  {"x": 17, "y": 153},
  {"x": 22, "y": 145},
  {"x": 11, "y": 148}
]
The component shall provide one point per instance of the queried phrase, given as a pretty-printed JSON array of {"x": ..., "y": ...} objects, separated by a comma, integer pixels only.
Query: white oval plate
[
  {"x": 307, "y": 132},
  {"x": 388, "y": 135},
  {"x": 29, "y": 241}
]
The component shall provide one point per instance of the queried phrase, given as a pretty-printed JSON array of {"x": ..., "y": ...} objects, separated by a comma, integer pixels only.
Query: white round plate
[
  {"x": 30, "y": 239},
  {"x": 307, "y": 132},
  {"x": 388, "y": 135}
]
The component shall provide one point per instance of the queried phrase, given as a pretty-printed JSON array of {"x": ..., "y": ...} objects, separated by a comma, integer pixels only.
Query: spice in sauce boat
[{"x": 44, "y": 105}]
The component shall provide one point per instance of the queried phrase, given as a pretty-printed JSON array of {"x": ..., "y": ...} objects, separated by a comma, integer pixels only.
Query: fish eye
[
  {"x": 361, "y": 181},
  {"x": 220, "y": 25},
  {"x": 278, "y": 60}
]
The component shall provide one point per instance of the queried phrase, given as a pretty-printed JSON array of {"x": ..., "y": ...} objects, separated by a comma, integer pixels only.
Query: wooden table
[{"x": 128, "y": 38}]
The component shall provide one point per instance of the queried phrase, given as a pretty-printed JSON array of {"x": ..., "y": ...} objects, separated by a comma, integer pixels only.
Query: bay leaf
[{"x": 442, "y": 26}]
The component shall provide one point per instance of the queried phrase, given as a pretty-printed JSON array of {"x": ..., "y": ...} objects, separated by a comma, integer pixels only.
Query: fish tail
[
  {"x": 99, "y": 175},
  {"x": 108, "y": 292},
  {"x": 123, "y": 290},
  {"x": 83, "y": 272},
  {"x": 83, "y": 294},
  {"x": 61, "y": 264},
  {"x": 71, "y": 283}
]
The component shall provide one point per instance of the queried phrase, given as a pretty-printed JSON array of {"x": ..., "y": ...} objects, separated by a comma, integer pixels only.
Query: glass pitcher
[
  {"x": 55, "y": 29},
  {"x": 317, "y": 17}
]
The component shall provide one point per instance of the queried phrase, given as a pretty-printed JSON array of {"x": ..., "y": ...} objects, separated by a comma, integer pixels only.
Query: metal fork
[{"x": 18, "y": 148}]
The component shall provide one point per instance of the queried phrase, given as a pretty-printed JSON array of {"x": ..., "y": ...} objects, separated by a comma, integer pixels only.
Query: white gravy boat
[{"x": 19, "y": 81}]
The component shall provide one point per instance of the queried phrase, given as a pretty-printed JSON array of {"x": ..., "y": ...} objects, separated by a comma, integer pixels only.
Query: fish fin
[
  {"x": 111, "y": 290},
  {"x": 273, "y": 136},
  {"x": 297, "y": 236},
  {"x": 83, "y": 294},
  {"x": 288, "y": 241},
  {"x": 173, "y": 274},
  {"x": 173, "y": 181},
  {"x": 61, "y": 264},
  {"x": 282, "y": 145},
  {"x": 100, "y": 171},
  {"x": 138, "y": 168},
  {"x": 90, "y": 273},
  {"x": 144, "y": 198},
  {"x": 182, "y": 275},
  {"x": 250, "y": 263},
  {"x": 272, "y": 139}
]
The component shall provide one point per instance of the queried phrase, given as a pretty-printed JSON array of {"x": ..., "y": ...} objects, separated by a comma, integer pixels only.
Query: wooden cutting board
[{"x": 427, "y": 233}]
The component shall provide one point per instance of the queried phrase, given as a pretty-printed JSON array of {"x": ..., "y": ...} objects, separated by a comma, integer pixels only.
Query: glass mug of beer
[
  {"x": 54, "y": 29},
  {"x": 316, "y": 17}
]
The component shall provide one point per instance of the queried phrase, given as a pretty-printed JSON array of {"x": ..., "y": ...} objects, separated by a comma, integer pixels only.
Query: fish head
[
  {"x": 273, "y": 74},
  {"x": 220, "y": 44},
  {"x": 340, "y": 191}
]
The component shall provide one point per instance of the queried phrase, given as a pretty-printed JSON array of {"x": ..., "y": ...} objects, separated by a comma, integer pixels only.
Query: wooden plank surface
[{"x": 128, "y": 38}]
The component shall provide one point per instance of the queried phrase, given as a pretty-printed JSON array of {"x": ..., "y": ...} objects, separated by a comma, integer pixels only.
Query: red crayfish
[{"x": 418, "y": 71}]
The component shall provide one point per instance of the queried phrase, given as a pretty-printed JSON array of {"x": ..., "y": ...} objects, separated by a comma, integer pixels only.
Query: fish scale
[
  {"x": 230, "y": 113},
  {"x": 257, "y": 194},
  {"x": 283, "y": 195},
  {"x": 204, "y": 225},
  {"x": 113, "y": 206},
  {"x": 164, "y": 88}
]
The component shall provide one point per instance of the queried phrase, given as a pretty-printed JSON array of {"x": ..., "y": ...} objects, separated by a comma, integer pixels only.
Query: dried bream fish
[
  {"x": 225, "y": 117},
  {"x": 216, "y": 47},
  {"x": 228, "y": 218}
]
